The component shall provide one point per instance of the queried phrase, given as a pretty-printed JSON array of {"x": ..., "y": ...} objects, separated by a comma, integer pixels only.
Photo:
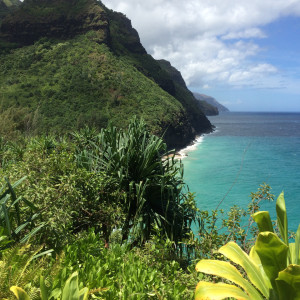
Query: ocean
[{"x": 244, "y": 151}]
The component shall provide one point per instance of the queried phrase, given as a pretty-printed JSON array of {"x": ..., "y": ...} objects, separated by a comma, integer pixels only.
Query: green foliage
[
  {"x": 218, "y": 227},
  {"x": 19, "y": 293},
  {"x": 152, "y": 186},
  {"x": 61, "y": 86},
  {"x": 114, "y": 179},
  {"x": 22, "y": 266},
  {"x": 12, "y": 219},
  {"x": 245, "y": 291},
  {"x": 69, "y": 198},
  {"x": 119, "y": 273},
  {"x": 268, "y": 267},
  {"x": 70, "y": 290}
]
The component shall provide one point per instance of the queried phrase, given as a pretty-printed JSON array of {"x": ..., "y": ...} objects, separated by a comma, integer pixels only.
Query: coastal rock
[{"x": 211, "y": 101}]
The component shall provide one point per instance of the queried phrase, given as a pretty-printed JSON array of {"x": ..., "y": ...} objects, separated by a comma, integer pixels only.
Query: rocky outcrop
[
  {"x": 124, "y": 38},
  {"x": 173, "y": 72},
  {"x": 3, "y": 9},
  {"x": 54, "y": 19},
  {"x": 6, "y": 7}
]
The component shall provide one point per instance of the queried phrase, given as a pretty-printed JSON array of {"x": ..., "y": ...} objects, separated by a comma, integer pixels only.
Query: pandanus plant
[
  {"x": 272, "y": 268},
  {"x": 153, "y": 187},
  {"x": 13, "y": 225}
]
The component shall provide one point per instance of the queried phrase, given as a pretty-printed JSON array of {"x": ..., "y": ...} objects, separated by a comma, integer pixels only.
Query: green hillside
[{"x": 76, "y": 63}]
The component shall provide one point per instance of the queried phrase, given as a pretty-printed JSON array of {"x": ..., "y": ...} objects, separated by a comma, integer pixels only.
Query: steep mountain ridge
[
  {"x": 212, "y": 101},
  {"x": 206, "y": 108},
  {"x": 78, "y": 63}
]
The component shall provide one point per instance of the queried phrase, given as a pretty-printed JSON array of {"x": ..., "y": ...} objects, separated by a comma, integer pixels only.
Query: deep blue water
[{"x": 247, "y": 149}]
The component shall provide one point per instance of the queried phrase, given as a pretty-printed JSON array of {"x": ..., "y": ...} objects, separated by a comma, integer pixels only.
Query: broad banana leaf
[
  {"x": 288, "y": 283},
  {"x": 282, "y": 218},
  {"x": 292, "y": 250},
  {"x": 232, "y": 251},
  {"x": 254, "y": 256},
  {"x": 218, "y": 291},
  {"x": 19, "y": 293},
  {"x": 229, "y": 272},
  {"x": 263, "y": 221},
  {"x": 272, "y": 253},
  {"x": 297, "y": 247}
]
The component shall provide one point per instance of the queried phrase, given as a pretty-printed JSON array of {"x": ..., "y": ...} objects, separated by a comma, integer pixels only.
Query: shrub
[
  {"x": 153, "y": 187},
  {"x": 272, "y": 266}
]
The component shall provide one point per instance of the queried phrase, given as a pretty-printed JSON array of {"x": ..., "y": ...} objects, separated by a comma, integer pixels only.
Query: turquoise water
[{"x": 246, "y": 150}]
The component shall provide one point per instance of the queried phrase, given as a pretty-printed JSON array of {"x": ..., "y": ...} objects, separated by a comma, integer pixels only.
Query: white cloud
[
  {"x": 209, "y": 41},
  {"x": 245, "y": 34}
]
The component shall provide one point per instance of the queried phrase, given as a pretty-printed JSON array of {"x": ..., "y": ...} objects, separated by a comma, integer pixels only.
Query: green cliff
[
  {"x": 205, "y": 107},
  {"x": 70, "y": 63}
]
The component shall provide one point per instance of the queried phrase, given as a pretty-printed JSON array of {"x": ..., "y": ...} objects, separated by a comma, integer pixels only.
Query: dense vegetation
[
  {"x": 55, "y": 96},
  {"x": 92, "y": 206},
  {"x": 272, "y": 266},
  {"x": 104, "y": 210},
  {"x": 66, "y": 64}
]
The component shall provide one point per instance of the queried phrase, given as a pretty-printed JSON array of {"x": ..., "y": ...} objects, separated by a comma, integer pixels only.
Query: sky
[{"x": 244, "y": 53}]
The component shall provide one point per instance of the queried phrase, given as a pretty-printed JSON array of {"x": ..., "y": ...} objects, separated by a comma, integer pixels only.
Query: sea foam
[{"x": 192, "y": 147}]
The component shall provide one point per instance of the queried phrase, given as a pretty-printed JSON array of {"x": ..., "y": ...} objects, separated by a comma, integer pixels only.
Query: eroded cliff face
[
  {"x": 124, "y": 38},
  {"x": 54, "y": 19},
  {"x": 62, "y": 20},
  {"x": 6, "y": 7},
  {"x": 3, "y": 9}
]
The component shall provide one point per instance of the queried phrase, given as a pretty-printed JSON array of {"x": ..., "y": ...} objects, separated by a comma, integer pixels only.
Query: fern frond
[{"x": 18, "y": 268}]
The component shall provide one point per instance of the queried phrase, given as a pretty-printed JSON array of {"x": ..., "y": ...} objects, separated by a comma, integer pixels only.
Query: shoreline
[{"x": 183, "y": 153}]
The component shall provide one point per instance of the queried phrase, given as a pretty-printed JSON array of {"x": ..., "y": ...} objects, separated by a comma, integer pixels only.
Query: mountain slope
[
  {"x": 78, "y": 63},
  {"x": 206, "y": 108},
  {"x": 212, "y": 101}
]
